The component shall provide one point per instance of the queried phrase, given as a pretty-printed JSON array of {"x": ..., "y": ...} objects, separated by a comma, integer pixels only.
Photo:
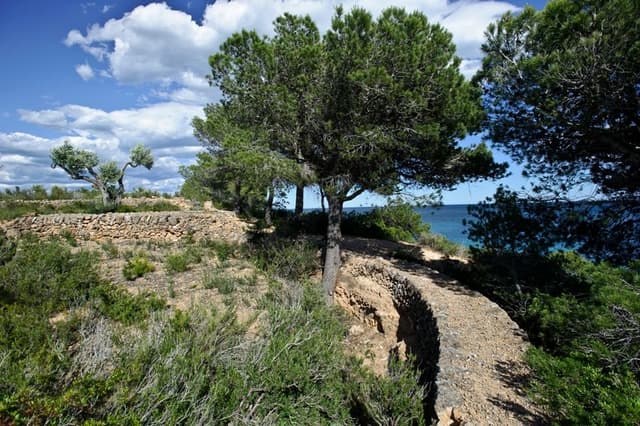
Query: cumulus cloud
[
  {"x": 158, "y": 125},
  {"x": 85, "y": 71},
  {"x": 164, "y": 127},
  {"x": 157, "y": 43},
  {"x": 27, "y": 162}
]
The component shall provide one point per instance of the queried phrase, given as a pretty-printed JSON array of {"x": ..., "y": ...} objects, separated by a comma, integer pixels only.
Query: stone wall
[
  {"x": 180, "y": 202},
  {"x": 417, "y": 326},
  {"x": 131, "y": 226}
]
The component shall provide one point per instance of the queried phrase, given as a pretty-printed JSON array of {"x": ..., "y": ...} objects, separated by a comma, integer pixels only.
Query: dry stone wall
[
  {"x": 181, "y": 203},
  {"x": 130, "y": 226}
]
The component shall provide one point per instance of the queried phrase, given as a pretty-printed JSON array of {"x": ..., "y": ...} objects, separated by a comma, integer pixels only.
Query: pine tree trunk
[
  {"x": 237, "y": 195},
  {"x": 322, "y": 197},
  {"x": 299, "y": 199},
  {"x": 269, "y": 208},
  {"x": 332, "y": 251}
]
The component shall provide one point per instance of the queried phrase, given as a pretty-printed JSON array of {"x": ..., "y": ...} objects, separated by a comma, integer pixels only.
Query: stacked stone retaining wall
[{"x": 131, "y": 226}]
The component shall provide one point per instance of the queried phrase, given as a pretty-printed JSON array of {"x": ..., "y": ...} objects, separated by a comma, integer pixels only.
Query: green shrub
[
  {"x": 45, "y": 274},
  {"x": 117, "y": 304},
  {"x": 442, "y": 244},
  {"x": 220, "y": 281},
  {"x": 396, "y": 221},
  {"x": 176, "y": 262},
  {"x": 223, "y": 250},
  {"x": 137, "y": 266},
  {"x": 290, "y": 259},
  {"x": 7, "y": 248},
  {"x": 68, "y": 236},
  {"x": 580, "y": 393},
  {"x": 110, "y": 249},
  {"x": 180, "y": 262}
]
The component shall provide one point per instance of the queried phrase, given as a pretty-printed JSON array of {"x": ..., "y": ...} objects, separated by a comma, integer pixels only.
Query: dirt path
[{"x": 481, "y": 372}]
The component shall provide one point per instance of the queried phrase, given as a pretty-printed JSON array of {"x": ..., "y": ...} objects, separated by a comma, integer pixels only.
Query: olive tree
[
  {"x": 106, "y": 177},
  {"x": 374, "y": 105}
]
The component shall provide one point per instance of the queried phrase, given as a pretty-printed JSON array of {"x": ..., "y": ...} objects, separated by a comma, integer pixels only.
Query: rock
[
  {"x": 356, "y": 330},
  {"x": 449, "y": 417}
]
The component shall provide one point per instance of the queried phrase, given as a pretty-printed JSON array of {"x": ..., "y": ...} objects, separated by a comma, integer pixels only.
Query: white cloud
[
  {"x": 84, "y": 71},
  {"x": 47, "y": 117},
  {"x": 27, "y": 162},
  {"x": 157, "y": 43},
  {"x": 469, "y": 67},
  {"x": 106, "y": 8},
  {"x": 160, "y": 124},
  {"x": 15, "y": 159},
  {"x": 164, "y": 127}
]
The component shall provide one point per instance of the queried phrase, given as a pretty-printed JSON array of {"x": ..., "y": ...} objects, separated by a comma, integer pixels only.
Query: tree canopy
[
  {"x": 562, "y": 94},
  {"x": 106, "y": 177},
  {"x": 374, "y": 105},
  {"x": 238, "y": 166},
  {"x": 562, "y": 87}
]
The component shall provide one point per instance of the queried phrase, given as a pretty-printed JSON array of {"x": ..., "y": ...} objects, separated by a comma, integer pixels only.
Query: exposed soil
[
  {"x": 183, "y": 290},
  {"x": 481, "y": 373}
]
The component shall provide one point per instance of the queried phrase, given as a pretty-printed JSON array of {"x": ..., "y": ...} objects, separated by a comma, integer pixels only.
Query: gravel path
[{"x": 481, "y": 370}]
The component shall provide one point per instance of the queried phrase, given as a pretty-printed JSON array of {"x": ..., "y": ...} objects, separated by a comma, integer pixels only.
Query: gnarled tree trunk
[
  {"x": 269, "y": 207},
  {"x": 299, "y": 199},
  {"x": 332, "y": 260}
]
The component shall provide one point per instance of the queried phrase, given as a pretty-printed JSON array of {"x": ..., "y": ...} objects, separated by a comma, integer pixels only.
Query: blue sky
[{"x": 107, "y": 74}]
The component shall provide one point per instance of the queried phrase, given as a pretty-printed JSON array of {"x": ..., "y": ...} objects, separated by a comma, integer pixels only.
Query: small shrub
[
  {"x": 137, "y": 266},
  {"x": 117, "y": 304},
  {"x": 442, "y": 244},
  {"x": 290, "y": 259},
  {"x": 223, "y": 250},
  {"x": 220, "y": 281},
  {"x": 180, "y": 262},
  {"x": 47, "y": 275},
  {"x": 396, "y": 221},
  {"x": 407, "y": 255},
  {"x": 176, "y": 262},
  {"x": 110, "y": 249},
  {"x": 7, "y": 248},
  {"x": 68, "y": 236}
]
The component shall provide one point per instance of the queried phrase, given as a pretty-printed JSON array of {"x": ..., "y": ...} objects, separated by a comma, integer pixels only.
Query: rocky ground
[{"x": 481, "y": 370}]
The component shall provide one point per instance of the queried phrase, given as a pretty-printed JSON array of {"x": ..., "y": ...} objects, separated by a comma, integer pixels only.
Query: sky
[{"x": 106, "y": 75}]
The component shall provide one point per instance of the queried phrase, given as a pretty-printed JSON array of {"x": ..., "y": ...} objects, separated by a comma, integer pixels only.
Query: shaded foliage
[{"x": 561, "y": 89}]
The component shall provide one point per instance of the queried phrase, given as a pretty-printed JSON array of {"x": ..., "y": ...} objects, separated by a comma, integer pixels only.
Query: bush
[
  {"x": 442, "y": 244},
  {"x": 137, "y": 266},
  {"x": 581, "y": 393},
  {"x": 396, "y": 221},
  {"x": 46, "y": 275},
  {"x": 110, "y": 249},
  {"x": 118, "y": 305},
  {"x": 176, "y": 262},
  {"x": 180, "y": 262},
  {"x": 220, "y": 281},
  {"x": 7, "y": 248},
  {"x": 290, "y": 259},
  {"x": 222, "y": 249}
]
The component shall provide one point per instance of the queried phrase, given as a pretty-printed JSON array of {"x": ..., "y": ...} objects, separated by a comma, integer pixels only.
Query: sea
[{"x": 445, "y": 220}]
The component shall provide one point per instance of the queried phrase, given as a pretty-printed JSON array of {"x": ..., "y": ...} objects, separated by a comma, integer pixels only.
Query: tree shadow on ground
[{"x": 518, "y": 378}]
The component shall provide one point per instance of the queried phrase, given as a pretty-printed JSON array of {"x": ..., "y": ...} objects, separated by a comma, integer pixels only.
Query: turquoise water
[{"x": 445, "y": 220}]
